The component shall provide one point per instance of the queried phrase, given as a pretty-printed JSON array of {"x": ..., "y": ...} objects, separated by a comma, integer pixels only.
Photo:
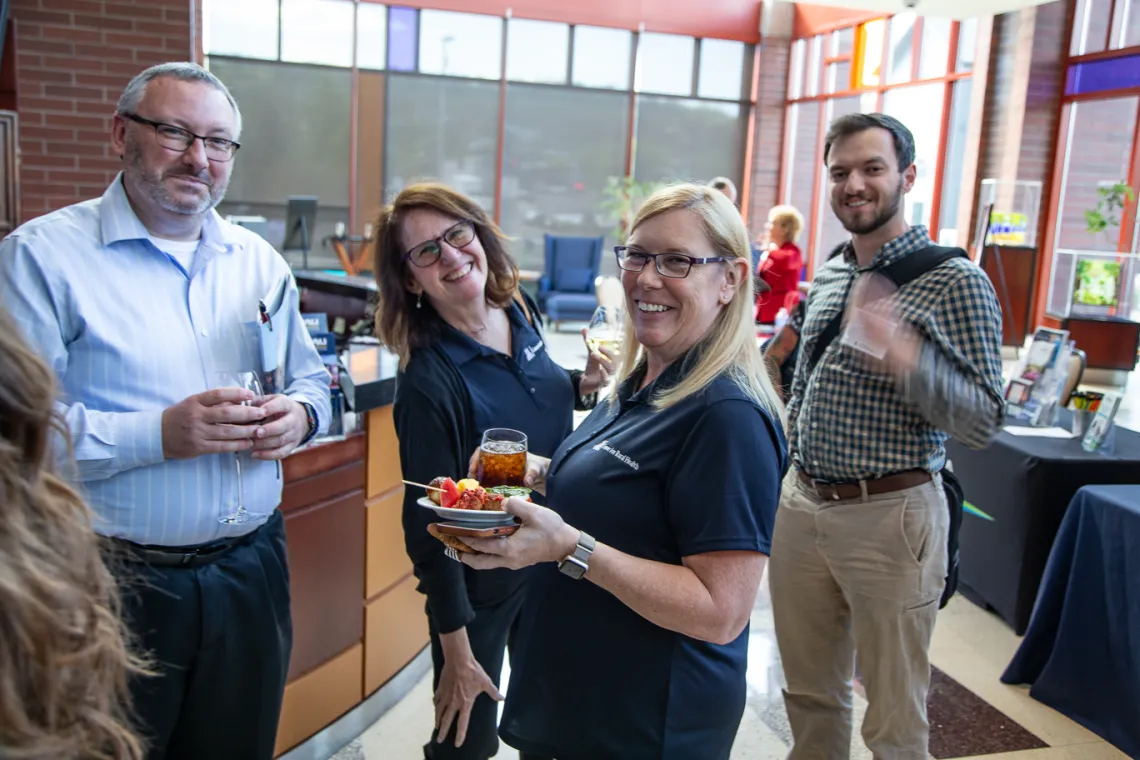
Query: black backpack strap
[{"x": 906, "y": 269}]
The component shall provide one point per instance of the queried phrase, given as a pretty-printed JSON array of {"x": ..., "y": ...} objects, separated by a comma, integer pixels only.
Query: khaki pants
[{"x": 862, "y": 575}]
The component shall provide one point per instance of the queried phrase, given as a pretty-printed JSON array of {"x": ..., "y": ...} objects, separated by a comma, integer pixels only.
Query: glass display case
[
  {"x": 1016, "y": 207},
  {"x": 1094, "y": 284}
]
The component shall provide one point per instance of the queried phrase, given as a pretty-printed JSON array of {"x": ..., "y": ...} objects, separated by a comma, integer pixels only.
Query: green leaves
[{"x": 1109, "y": 209}]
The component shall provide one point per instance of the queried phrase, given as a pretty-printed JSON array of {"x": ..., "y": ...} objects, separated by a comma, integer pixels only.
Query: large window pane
[
  {"x": 953, "y": 192},
  {"x": 461, "y": 44},
  {"x": 839, "y": 77},
  {"x": 796, "y": 70},
  {"x": 830, "y": 230},
  {"x": 920, "y": 109},
  {"x": 317, "y": 31},
  {"x": 900, "y": 51},
  {"x": 722, "y": 70},
  {"x": 602, "y": 57},
  {"x": 814, "y": 65},
  {"x": 669, "y": 151},
  {"x": 1097, "y": 155},
  {"x": 247, "y": 29},
  {"x": 843, "y": 41},
  {"x": 967, "y": 44},
  {"x": 801, "y": 168},
  {"x": 305, "y": 155},
  {"x": 537, "y": 51},
  {"x": 371, "y": 35},
  {"x": 403, "y": 39},
  {"x": 1130, "y": 23},
  {"x": 665, "y": 63},
  {"x": 1090, "y": 26},
  {"x": 561, "y": 147},
  {"x": 447, "y": 130},
  {"x": 935, "y": 47}
]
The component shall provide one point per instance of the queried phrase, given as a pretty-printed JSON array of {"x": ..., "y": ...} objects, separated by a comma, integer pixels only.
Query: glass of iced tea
[{"x": 502, "y": 458}]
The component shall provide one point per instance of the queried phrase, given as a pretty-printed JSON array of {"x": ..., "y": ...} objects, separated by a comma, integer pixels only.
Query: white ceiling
[{"x": 959, "y": 9}]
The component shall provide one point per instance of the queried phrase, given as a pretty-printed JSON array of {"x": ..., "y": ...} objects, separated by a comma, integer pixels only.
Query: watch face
[{"x": 573, "y": 567}]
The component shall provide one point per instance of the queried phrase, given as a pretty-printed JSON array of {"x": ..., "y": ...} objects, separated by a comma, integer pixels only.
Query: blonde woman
[
  {"x": 634, "y": 639},
  {"x": 63, "y": 660},
  {"x": 780, "y": 268}
]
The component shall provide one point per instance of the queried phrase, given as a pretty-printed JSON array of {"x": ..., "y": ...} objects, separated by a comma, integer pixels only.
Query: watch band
[
  {"x": 311, "y": 416},
  {"x": 578, "y": 563}
]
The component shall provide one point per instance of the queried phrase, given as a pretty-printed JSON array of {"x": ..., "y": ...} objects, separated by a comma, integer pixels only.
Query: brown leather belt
[{"x": 900, "y": 481}]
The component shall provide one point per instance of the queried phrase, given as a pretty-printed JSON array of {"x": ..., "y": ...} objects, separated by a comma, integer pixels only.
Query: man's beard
[
  {"x": 151, "y": 184},
  {"x": 880, "y": 219}
]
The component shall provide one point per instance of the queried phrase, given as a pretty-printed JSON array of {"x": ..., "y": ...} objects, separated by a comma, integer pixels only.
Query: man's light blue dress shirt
[{"x": 129, "y": 333}]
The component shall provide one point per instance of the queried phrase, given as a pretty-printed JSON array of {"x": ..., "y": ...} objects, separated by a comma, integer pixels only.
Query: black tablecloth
[
  {"x": 1082, "y": 649},
  {"x": 1019, "y": 489}
]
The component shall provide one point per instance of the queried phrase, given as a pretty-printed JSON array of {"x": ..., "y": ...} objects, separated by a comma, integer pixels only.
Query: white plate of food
[{"x": 480, "y": 516}]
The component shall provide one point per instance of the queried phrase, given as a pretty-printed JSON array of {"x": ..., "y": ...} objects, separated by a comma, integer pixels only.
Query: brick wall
[
  {"x": 769, "y": 136},
  {"x": 74, "y": 58}
]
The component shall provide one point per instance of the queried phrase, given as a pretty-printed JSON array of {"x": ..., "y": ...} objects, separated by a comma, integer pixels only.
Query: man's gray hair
[{"x": 181, "y": 70}]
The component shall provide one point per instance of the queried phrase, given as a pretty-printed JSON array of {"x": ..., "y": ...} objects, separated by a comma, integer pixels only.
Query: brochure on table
[
  {"x": 1034, "y": 391},
  {"x": 1096, "y": 439},
  {"x": 325, "y": 343}
]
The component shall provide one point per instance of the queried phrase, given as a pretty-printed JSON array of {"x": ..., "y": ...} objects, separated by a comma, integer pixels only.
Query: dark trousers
[
  {"x": 219, "y": 636},
  {"x": 490, "y": 633}
]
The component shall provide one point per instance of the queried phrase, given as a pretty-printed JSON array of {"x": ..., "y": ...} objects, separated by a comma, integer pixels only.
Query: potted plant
[{"x": 1109, "y": 210}]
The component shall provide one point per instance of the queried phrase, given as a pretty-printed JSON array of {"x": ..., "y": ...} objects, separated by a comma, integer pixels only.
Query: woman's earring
[{"x": 419, "y": 300}]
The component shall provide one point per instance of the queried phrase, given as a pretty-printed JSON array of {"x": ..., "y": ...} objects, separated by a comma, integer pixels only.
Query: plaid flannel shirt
[{"x": 849, "y": 421}]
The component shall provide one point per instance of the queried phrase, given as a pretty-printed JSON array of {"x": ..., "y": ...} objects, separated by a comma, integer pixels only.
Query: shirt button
[
  {"x": 532, "y": 390},
  {"x": 205, "y": 333}
]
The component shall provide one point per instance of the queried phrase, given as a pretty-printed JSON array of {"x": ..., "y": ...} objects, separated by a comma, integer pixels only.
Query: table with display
[
  {"x": 1081, "y": 653},
  {"x": 1017, "y": 491}
]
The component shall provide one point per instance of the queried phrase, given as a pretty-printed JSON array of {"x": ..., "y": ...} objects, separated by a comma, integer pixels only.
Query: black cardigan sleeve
[{"x": 429, "y": 432}]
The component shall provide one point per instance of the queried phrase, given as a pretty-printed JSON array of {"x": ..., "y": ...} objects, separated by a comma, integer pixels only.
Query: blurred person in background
[
  {"x": 635, "y": 643},
  {"x": 64, "y": 658},
  {"x": 859, "y": 556},
  {"x": 472, "y": 357},
  {"x": 139, "y": 301},
  {"x": 781, "y": 264},
  {"x": 726, "y": 186}
]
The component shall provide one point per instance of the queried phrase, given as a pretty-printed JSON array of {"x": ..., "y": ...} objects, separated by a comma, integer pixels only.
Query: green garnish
[{"x": 509, "y": 491}]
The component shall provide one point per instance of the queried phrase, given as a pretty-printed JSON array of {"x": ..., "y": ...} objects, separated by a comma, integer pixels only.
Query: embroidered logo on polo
[
  {"x": 605, "y": 446},
  {"x": 532, "y": 351}
]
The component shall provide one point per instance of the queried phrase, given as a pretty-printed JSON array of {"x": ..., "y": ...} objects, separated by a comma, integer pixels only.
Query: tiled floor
[{"x": 971, "y": 649}]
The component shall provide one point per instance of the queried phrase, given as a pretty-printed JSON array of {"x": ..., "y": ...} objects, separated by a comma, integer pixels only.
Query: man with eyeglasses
[{"x": 142, "y": 301}]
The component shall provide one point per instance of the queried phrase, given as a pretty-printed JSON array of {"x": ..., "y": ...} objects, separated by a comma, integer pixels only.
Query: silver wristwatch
[{"x": 578, "y": 563}]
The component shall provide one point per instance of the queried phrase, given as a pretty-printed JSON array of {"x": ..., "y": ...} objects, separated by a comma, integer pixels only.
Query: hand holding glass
[{"x": 250, "y": 382}]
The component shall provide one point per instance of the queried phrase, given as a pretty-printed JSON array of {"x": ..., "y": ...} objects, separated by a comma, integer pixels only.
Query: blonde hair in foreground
[
  {"x": 729, "y": 346},
  {"x": 63, "y": 658}
]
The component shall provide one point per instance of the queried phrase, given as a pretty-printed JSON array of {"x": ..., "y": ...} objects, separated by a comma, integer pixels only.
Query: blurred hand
[
  {"x": 883, "y": 324},
  {"x": 543, "y": 537},
  {"x": 213, "y": 422},
  {"x": 287, "y": 425},
  {"x": 600, "y": 367}
]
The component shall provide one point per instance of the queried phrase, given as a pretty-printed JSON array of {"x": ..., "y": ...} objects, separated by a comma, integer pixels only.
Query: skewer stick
[{"x": 421, "y": 485}]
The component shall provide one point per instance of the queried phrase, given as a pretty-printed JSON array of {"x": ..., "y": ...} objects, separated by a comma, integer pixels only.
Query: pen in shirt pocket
[{"x": 263, "y": 314}]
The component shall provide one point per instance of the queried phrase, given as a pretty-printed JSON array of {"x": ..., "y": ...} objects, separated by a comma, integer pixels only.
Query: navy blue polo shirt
[
  {"x": 591, "y": 679},
  {"x": 526, "y": 392}
]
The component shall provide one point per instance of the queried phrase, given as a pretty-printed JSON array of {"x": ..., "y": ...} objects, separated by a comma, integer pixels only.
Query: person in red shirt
[{"x": 781, "y": 265}]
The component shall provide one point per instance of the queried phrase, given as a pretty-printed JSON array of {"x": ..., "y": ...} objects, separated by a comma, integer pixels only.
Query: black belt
[{"x": 176, "y": 556}]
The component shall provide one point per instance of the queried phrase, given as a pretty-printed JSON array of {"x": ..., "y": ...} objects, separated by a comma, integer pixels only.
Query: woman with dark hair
[
  {"x": 64, "y": 661},
  {"x": 472, "y": 357}
]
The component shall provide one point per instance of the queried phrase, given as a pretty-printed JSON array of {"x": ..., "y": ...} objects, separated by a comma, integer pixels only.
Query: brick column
[
  {"x": 75, "y": 58},
  {"x": 775, "y": 53}
]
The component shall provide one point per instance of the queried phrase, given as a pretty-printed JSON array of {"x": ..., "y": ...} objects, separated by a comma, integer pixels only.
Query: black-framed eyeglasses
[
  {"x": 675, "y": 265},
  {"x": 179, "y": 139},
  {"x": 428, "y": 252}
]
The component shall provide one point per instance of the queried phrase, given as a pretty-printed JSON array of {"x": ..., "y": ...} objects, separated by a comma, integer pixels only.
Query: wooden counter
[{"x": 357, "y": 618}]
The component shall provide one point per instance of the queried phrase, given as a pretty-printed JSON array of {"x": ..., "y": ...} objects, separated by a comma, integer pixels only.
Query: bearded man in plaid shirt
[{"x": 859, "y": 555}]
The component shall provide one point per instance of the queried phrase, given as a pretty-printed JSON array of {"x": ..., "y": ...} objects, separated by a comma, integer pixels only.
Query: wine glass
[
  {"x": 250, "y": 382},
  {"x": 605, "y": 328}
]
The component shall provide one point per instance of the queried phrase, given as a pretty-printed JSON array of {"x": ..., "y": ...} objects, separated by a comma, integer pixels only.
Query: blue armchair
[{"x": 566, "y": 288}]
